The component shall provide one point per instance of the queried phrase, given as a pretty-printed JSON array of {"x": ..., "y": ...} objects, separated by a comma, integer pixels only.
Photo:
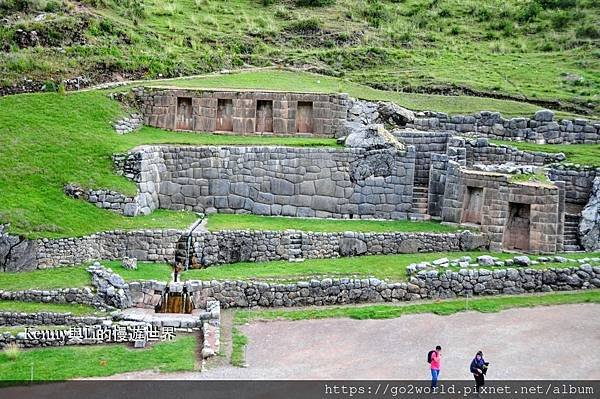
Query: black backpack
[{"x": 429, "y": 356}]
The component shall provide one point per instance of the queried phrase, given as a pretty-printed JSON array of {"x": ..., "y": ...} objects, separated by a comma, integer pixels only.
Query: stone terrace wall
[
  {"x": 160, "y": 109},
  {"x": 426, "y": 144},
  {"x": 427, "y": 285},
  {"x": 231, "y": 246},
  {"x": 482, "y": 151},
  {"x": 47, "y": 318},
  {"x": 257, "y": 246},
  {"x": 303, "y": 182},
  {"x": 542, "y": 128},
  {"x": 578, "y": 182},
  {"x": 546, "y": 218},
  {"x": 82, "y": 296}
]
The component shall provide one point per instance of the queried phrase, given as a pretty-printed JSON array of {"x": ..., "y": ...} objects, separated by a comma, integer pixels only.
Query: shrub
[
  {"x": 12, "y": 351},
  {"x": 589, "y": 31},
  {"x": 376, "y": 13},
  {"x": 529, "y": 11},
  {"x": 558, "y": 3},
  {"x": 305, "y": 25}
]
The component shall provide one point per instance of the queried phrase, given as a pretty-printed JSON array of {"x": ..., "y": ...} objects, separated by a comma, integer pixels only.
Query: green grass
[
  {"x": 442, "y": 307},
  {"x": 391, "y": 267},
  {"x": 63, "y": 277},
  {"x": 302, "y": 81},
  {"x": 72, "y": 141},
  {"x": 583, "y": 154},
  {"x": 527, "y": 49},
  {"x": 238, "y": 343},
  {"x": 222, "y": 221},
  {"x": 34, "y": 307},
  {"x": 64, "y": 363}
]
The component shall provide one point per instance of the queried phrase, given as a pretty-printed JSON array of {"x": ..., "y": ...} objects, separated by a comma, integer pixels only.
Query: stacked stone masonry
[
  {"x": 245, "y": 112},
  {"x": 212, "y": 248},
  {"x": 426, "y": 285},
  {"x": 542, "y": 128}
]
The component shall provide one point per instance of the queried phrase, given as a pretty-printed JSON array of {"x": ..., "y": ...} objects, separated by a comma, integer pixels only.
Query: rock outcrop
[{"x": 589, "y": 227}]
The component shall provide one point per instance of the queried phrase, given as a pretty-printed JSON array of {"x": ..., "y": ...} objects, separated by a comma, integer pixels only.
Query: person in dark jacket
[{"x": 478, "y": 369}]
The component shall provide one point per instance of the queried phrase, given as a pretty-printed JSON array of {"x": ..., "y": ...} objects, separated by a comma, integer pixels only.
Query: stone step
[
  {"x": 418, "y": 211},
  {"x": 418, "y": 217},
  {"x": 572, "y": 248}
]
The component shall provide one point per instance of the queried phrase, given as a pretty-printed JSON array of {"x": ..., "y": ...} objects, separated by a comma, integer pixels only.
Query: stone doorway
[
  {"x": 264, "y": 116},
  {"x": 472, "y": 205},
  {"x": 516, "y": 234},
  {"x": 224, "y": 115},
  {"x": 304, "y": 117},
  {"x": 184, "y": 120}
]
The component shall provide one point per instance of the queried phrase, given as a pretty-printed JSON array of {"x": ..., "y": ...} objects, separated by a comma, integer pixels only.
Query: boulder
[
  {"x": 589, "y": 226},
  {"x": 544, "y": 115},
  {"x": 395, "y": 114},
  {"x": 366, "y": 136},
  {"x": 352, "y": 246}
]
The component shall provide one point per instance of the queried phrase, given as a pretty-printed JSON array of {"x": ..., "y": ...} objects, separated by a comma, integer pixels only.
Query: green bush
[
  {"x": 305, "y": 25},
  {"x": 376, "y": 13},
  {"x": 529, "y": 11},
  {"x": 588, "y": 31}
]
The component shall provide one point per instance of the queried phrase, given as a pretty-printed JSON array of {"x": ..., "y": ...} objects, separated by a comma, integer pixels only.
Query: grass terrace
[
  {"x": 35, "y": 307},
  {"x": 61, "y": 363},
  {"x": 390, "y": 267},
  {"x": 221, "y": 221}
]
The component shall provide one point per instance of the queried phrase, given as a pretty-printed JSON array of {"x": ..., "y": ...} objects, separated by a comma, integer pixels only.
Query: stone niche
[
  {"x": 522, "y": 216},
  {"x": 473, "y": 204},
  {"x": 518, "y": 226},
  {"x": 246, "y": 112},
  {"x": 184, "y": 120}
]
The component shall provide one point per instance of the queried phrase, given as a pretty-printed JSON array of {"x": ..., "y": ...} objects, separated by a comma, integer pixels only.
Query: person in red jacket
[{"x": 436, "y": 364}]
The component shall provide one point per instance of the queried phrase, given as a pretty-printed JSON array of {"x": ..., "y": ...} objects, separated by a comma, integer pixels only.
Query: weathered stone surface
[
  {"x": 589, "y": 227},
  {"x": 352, "y": 247}
]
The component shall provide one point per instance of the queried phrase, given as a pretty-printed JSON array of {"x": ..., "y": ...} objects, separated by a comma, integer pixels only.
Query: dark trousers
[{"x": 479, "y": 381}]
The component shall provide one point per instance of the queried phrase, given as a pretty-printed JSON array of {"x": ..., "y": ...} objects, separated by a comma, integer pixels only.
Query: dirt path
[{"x": 532, "y": 343}]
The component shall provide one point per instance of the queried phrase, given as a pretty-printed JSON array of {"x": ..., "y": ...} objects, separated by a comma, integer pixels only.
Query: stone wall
[
  {"x": 82, "y": 296},
  {"x": 481, "y": 151},
  {"x": 232, "y": 246},
  {"x": 426, "y": 145},
  {"x": 338, "y": 291},
  {"x": 238, "y": 111},
  {"x": 303, "y": 182},
  {"x": 542, "y": 128},
  {"x": 258, "y": 246},
  {"x": 47, "y": 319},
  {"x": 579, "y": 182},
  {"x": 498, "y": 199}
]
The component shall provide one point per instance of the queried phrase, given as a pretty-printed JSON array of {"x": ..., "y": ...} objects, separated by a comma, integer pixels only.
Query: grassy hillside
[{"x": 535, "y": 49}]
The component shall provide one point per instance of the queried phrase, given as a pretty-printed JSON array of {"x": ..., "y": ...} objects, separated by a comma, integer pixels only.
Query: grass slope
[
  {"x": 222, "y": 221},
  {"x": 64, "y": 363},
  {"x": 48, "y": 140},
  {"x": 539, "y": 49}
]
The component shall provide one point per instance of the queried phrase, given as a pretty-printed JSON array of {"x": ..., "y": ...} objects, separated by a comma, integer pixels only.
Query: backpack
[{"x": 429, "y": 356}]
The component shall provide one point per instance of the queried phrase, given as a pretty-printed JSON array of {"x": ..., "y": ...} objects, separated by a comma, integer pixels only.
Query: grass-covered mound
[{"x": 537, "y": 49}]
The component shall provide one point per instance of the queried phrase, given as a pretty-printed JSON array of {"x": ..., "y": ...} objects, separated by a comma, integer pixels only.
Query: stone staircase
[
  {"x": 295, "y": 251},
  {"x": 571, "y": 238},
  {"x": 420, "y": 205}
]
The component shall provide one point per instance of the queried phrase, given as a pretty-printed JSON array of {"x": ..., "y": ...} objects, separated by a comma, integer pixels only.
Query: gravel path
[{"x": 530, "y": 343}]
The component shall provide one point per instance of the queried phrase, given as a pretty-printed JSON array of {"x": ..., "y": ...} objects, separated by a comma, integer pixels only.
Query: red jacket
[{"x": 436, "y": 361}]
